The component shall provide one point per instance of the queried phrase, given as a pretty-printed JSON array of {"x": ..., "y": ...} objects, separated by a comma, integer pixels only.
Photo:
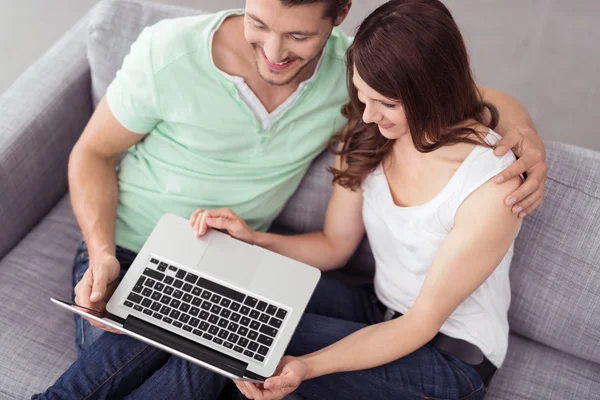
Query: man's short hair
[{"x": 333, "y": 7}]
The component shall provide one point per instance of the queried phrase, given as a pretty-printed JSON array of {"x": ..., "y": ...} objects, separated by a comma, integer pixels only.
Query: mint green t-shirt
[{"x": 204, "y": 147}]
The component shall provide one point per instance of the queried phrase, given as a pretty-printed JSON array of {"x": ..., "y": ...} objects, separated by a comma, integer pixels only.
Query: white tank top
[{"x": 405, "y": 241}]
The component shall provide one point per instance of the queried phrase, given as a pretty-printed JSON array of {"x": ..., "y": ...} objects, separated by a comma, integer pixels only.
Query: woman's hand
[
  {"x": 222, "y": 218},
  {"x": 290, "y": 373},
  {"x": 532, "y": 159}
]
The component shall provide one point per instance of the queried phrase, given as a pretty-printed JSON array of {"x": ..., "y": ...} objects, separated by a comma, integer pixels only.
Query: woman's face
[{"x": 388, "y": 114}]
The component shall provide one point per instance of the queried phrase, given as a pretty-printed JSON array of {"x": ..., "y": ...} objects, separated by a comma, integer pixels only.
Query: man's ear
[{"x": 343, "y": 14}]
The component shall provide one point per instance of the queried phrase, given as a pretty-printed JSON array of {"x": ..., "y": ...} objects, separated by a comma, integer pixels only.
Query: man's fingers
[
  {"x": 220, "y": 223},
  {"x": 532, "y": 208},
  {"x": 528, "y": 188},
  {"x": 195, "y": 215},
  {"x": 252, "y": 391},
  {"x": 525, "y": 205},
  {"x": 516, "y": 168},
  {"x": 83, "y": 291},
  {"x": 99, "y": 284},
  {"x": 508, "y": 141}
]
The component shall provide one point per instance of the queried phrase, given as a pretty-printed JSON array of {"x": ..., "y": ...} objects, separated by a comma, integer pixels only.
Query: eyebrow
[{"x": 299, "y": 33}]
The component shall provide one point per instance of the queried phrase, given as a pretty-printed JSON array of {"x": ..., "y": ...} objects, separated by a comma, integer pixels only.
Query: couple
[{"x": 418, "y": 168}]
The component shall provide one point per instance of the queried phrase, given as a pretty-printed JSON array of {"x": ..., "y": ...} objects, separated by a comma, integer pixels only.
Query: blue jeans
[
  {"x": 85, "y": 333},
  {"x": 117, "y": 366}
]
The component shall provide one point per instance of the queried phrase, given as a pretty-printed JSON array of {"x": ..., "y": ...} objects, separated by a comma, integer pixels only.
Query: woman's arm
[{"x": 484, "y": 231}]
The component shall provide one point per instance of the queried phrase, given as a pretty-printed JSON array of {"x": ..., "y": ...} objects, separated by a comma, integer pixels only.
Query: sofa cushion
[
  {"x": 114, "y": 25},
  {"x": 555, "y": 274},
  {"x": 37, "y": 336}
]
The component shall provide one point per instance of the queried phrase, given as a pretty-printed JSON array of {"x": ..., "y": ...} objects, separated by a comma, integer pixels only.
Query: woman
[{"x": 412, "y": 171}]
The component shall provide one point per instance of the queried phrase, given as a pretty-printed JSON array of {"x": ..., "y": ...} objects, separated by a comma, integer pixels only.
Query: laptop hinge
[{"x": 186, "y": 346}]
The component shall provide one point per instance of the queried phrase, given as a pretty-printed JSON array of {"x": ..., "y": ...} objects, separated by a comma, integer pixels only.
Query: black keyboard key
[
  {"x": 194, "y": 311},
  {"x": 213, "y": 330},
  {"x": 225, "y": 313},
  {"x": 187, "y": 328},
  {"x": 243, "y": 342},
  {"x": 233, "y": 337},
  {"x": 177, "y": 324},
  {"x": 184, "y": 318},
  {"x": 128, "y": 304},
  {"x": 223, "y": 323},
  {"x": 198, "y": 333},
  {"x": 238, "y": 349},
  {"x": 178, "y": 284},
  {"x": 248, "y": 353},
  {"x": 161, "y": 268},
  {"x": 194, "y": 322},
  {"x": 235, "y": 306},
  {"x": 174, "y": 314},
  {"x": 263, "y": 350},
  {"x": 206, "y": 305},
  {"x": 187, "y": 287},
  {"x": 264, "y": 318},
  {"x": 213, "y": 319},
  {"x": 156, "y": 296},
  {"x": 267, "y": 341},
  {"x": 178, "y": 294},
  {"x": 147, "y": 292},
  {"x": 184, "y": 307},
  {"x": 225, "y": 302},
  {"x": 235, "y": 317},
  {"x": 250, "y": 301},
  {"x": 136, "y": 298},
  {"x": 156, "y": 306},
  {"x": 188, "y": 298},
  {"x": 232, "y": 326},
  {"x": 146, "y": 302},
  {"x": 165, "y": 310},
  {"x": 228, "y": 345},
  {"x": 271, "y": 310},
  {"x": 169, "y": 280},
  {"x": 281, "y": 313},
  {"x": 253, "y": 346},
  {"x": 149, "y": 283},
  {"x": 168, "y": 290},
  {"x": 147, "y": 311},
  {"x": 191, "y": 278},
  {"x": 244, "y": 310},
  {"x": 259, "y": 357},
  {"x": 138, "y": 288},
  {"x": 154, "y": 274},
  {"x": 196, "y": 291},
  {"x": 220, "y": 289},
  {"x": 175, "y": 303},
  {"x": 254, "y": 325},
  {"x": 165, "y": 299},
  {"x": 243, "y": 331},
  {"x": 218, "y": 341},
  {"x": 204, "y": 315},
  {"x": 180, "y": 274},
  {"x": 262, "y": 306},
  {"x": 215, "y": 309},
  {"x": 167, "y": 320},
  {"x": 206, "y": 295},
  {"x": 207, "y": 336},
  {"x": 204, "y": 326},
  {"x": 215, "y": 298},
  {"x": 275, "y": 323},
  {"x": 163, "y": 264},
  {"x": 252, "y": 335},
  {"x": 154, "y": 261},
  {"x": 245, "y": 321},
  {"x": 138, "y": 308},
  {"x": 157, "y": 316},
  {"x": 141, "y": 280},
  {"x": 254, "y": 314},
  {"x": 172, "y": 268},
  {"x": 159, "y": 286},
  {"x": 196, "y": 301},
  {"x": 268, "y": 330}
]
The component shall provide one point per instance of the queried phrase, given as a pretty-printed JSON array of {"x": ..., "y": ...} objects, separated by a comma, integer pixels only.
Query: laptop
[{"x": 216, "y": 301}]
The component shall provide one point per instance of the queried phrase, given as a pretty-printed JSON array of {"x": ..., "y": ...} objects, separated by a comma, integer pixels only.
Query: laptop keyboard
[{"x": 207, "y": 309}]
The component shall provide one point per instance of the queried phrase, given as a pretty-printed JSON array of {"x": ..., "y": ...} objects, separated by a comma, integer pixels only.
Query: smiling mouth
[{"x": 278, "y": 66}]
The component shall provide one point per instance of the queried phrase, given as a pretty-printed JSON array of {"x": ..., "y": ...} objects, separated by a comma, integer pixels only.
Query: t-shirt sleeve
[{"x": 132, "y": 96}]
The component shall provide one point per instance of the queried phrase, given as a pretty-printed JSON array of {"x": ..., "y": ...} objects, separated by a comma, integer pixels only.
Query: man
[{"x": 226, "y": 110}]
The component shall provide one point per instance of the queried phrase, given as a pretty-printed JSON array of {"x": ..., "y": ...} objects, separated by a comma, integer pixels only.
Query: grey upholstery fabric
[
  {"x": 37, "y": 338},
  {"x": 43, "y": 114}
]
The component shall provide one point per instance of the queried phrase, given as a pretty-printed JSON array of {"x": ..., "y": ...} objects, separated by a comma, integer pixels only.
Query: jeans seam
[
  {"x": 465, "y": 376},
  {"x": 116, "y": 372}
]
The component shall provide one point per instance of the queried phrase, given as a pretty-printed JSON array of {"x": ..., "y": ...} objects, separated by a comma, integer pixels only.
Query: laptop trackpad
[{"x": 230, "y": 260}]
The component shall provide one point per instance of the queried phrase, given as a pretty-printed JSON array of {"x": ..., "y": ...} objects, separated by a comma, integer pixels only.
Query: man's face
[{"x": 285, "y": 40}]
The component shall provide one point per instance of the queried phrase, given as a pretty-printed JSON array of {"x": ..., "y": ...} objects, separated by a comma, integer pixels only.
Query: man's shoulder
[
  {"x": 175, "y": 38},
  {"x": 337, "y": 44}
]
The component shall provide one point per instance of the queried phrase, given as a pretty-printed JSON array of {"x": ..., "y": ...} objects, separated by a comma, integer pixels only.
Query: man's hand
[
  {"x": 528, "y": 146},
  {"x": 223, "y": 218},
  {"x": 290, "y": 374},
  {"x": 98, "y": 284}
]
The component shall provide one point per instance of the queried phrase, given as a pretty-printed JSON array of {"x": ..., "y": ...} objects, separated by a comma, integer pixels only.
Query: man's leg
[
  {"x": 112, "y": 367},
  {"x": 85, "y": 333}
]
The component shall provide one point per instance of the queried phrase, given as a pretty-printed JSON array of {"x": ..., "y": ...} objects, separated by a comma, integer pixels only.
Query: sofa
[{"x": 554, "y": 348}]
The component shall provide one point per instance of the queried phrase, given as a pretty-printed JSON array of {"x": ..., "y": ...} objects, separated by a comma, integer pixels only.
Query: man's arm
[{"x": 520, "y": 136}]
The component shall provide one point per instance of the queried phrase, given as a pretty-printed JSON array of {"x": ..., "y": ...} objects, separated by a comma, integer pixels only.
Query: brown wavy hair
[{"x": 410, "y": 51}]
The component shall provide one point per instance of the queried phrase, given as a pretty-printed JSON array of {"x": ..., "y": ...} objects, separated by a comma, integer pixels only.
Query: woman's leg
[
  {"x": 112, "y": 367},
  {"x": 425, "y": 373}
]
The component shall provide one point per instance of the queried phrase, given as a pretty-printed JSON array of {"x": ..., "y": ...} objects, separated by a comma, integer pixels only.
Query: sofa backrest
[{"x": 555, "y": 273}]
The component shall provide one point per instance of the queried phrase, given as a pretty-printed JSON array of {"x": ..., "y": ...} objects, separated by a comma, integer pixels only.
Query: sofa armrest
[{"x": 41, "y": 117}]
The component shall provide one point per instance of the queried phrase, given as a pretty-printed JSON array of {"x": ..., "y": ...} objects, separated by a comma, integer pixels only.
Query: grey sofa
[{"x": 554, "y": 350}]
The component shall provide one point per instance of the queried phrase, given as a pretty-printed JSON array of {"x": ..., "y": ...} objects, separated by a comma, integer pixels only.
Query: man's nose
[{"x": 274, "y": 49}]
